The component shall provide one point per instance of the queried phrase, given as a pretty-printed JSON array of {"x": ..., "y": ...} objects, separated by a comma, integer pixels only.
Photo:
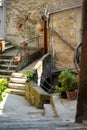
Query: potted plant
[
  {"x": 69, "y": 83},
  {"x": 61, "y": 91},
  {"x": 3, "y": 88},
  {"x": 17, "y": 58},
  {"x": 29, "y": 74}
]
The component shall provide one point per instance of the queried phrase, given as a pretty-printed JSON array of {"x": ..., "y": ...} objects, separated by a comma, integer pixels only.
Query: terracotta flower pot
[
  {"x": 72, "y": 95},
  {"x": 23, "y": 44},
  {"x": 17, "y": 58}
]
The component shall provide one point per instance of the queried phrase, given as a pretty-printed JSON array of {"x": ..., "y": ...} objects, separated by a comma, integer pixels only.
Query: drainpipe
[
  {"x": 44, "y": 20},
  {"x": 45, "y": 38}
]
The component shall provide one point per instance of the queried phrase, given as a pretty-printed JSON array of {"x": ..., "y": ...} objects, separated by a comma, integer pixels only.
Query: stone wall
[
  {"x": 36, "y": 95},
  {"x": 22, "y": 19},
  {"x": 67, "y": 24},
  {"x": 27, "y": 13},
  {"x": 43, "y": 68}
]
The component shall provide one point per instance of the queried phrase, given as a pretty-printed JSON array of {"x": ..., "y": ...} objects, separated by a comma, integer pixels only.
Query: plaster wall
[
  {"x": 68, "y": 25},
  {"x": 15, "y": 14}
]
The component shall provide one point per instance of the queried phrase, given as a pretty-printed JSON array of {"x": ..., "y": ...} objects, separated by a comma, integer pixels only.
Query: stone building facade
[
  {"x": 23, "y": 20},
  {"x": 66, "y": 24}
]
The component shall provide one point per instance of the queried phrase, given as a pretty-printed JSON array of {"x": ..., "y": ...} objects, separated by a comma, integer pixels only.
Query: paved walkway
[
  {"x": 14, "y": 104},
  {"x": 17, "y": 114},
  {"x": 66, "y": 109}
]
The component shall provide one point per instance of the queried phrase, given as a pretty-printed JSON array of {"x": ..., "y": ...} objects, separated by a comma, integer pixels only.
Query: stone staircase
[
  {"x": 8, "y": 46},
  {"x": 16, "y": 84},
  {"x": 7, "y": 63},
  {"x": 6, "y": 68}
]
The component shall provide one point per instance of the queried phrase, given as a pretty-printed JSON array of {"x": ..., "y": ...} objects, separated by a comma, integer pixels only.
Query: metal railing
[
  {"x": 48, "y": 90},
  {"x": 32, "y": 43}
]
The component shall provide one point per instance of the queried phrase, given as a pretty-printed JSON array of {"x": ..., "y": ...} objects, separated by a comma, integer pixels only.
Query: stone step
[
  {"x": 18, "y": 75},
  {"x": 2, "y": 56},
  {"x": 4, "y": 66},
  {"x": 7, "y": 61},
  {"x": 18, "y": 80},
  {"x": 5, "y": 76},
  {"x": 48, "y": 111},
  {"x": 6, "y": 72},
  {"x": 7, "y": 43},
  {"x": 17, "y": 92},
  {"x": 10, "y": 47},
  {"x": 16, "y": 86}
]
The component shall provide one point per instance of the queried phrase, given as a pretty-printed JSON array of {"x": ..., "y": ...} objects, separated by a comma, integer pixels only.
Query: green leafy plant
[
  {"x": 29, "y": 74},
  {"x": 3, "y": 81},
  {"x": 60, "y": 89},
  {"x": 68, "y": 80},
  {"x": 3, "y": 88}
]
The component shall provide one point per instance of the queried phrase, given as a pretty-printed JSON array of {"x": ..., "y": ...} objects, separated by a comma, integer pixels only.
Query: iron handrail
[
  {"x": 48, "y": 89},
  {"x": 32, "y": 39},
  {"x": 20, "y": 50}
]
